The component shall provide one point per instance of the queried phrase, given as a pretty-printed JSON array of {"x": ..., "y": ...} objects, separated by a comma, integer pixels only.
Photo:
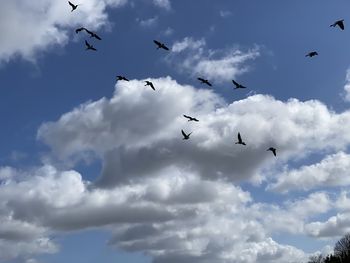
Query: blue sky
[{"x": 94, "y": 169}]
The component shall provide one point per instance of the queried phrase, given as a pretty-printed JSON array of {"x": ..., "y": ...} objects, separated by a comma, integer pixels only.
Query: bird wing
[
  {"x": 87, "y": 44},
  {"x": 341, "y": 25},
  {"x": 151, "y": 84},
  {"x": 96, "y": 36},
  {"x": 88, "y": 31},
  {"x": 200, "y": 79},
  {"x": 274, "y": 152},
  {"x": 183, "y": 133},
  {"x": 93, "y": 48},
  {"x": 157, "y": 43},
  {"x": 234, "y": 82},
  {"x": 79, "y": 29},
  {"x": 188, "y": 117},
  {"x": 209, "y": 83},
  {"x": 239, "y": 137},
  {"x": 72, "y": 5},
  {"x": 165, "y": 47}
]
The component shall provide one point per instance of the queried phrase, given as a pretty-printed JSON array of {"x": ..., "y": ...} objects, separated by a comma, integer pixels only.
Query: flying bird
[
  {"x": 72, "y": 5},
  {"x": 240, "y": 141},
  {"x": 238, "y": 86},
  {"x": 185, "y": 136},
  {"x": 149, "y": 83},
  {"x": 89, "y": 46},
  {"x": 273, "y": 150},
  {"x": 204, "y": 81},
  {"x": 79, "y": 29},
  {"x": 311, "y": 54},
  {"x": 160, "y": 45},
  {"x": 190, "y": 118},
  {"x": 122, "y": 78},
  {"x": 92, "y": 34},
  {"x": 339, "y": 23}
]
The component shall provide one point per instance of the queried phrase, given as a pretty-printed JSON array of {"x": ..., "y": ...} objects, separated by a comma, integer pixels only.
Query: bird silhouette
[
  {"x": 238, "y": 86},
  {"x": 311, "y": 54},
  {"x": 273, "y": 150},
  {"x": 240, "y": 141},
  {"x": 72, "y": 5},
  {"x": 149, "y": 83},
  {"x": 79, "y": 29},
  {"x": 160, "y": 45},
  {"x": 89, "y": 46},
  {"x": 92, "y": 34},
  {"x": 122, "y": 78},
  {"x": 190, "y": 118},
  {"x": 339, "y": 23},
  {"x": 185, "y": 136},
  {"x": 204, "y": 81}
]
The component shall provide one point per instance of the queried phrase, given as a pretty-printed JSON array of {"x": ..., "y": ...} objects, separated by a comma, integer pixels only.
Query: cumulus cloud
[
  {"x": 170, "y": 217},
  {"x": 193, "y": 56},
  {"x": 333, "y": 170},
  {"x": 123, "y": 130},
  {"x": 32, "y": 26},
  {"x": 174, "y": 199},
  {"x": 336, "y": 225}
]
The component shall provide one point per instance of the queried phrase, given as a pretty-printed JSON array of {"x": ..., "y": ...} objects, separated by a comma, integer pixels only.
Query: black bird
[
  {"x": 186, "y": 136},
  {"x": 339, "y": 23},
  {"x": 79, "y": 29},
  {"x": 240, "y": 140},
  {"x": 72, "y": 5},
  {"x": 204, "y": 81},
  {"x": 160, "y": 45},
  {"x": 89, "y": 46},
  {"x": 273, "y": 150},
  {"x": 149, "y": 83},
  {"x": 92, "y": 34},
  {"x": 122, "y": 78},
  {"x": 190, "y": 118},
  {"x": 238, "y": 86},
  {"x": 311, "y": 54}
]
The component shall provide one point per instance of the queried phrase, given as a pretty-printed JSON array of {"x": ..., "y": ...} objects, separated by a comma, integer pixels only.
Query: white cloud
[
  {"x": 335, "y": 226},
  {"x": 347, "y": 86},
  {"x": 193, "y": 56},
  {"x": 150, "y": 22},
  {"x": 168, "y": 32},
  {"x": 28, "y": 27},
  {"x": 333, "y": 170},
  {"x": 123, "y": 131},
  {"x": 163, "y": 4},
  {"x": 173, "y": 216},
  {"x": 225, "y": 13}
]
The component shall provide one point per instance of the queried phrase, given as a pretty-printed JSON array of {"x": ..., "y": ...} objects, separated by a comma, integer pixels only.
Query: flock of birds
[{"x": 160, "y": 45}]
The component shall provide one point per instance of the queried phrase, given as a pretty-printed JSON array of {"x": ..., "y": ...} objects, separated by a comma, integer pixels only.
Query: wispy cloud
[
  {"x": 347, "y": 86},
  {"x": 150, "y": 22},
  {"x": 190, "y": 55},
  {"x": 225, "y": 13},
  {"x": 163, "y": 4}
]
